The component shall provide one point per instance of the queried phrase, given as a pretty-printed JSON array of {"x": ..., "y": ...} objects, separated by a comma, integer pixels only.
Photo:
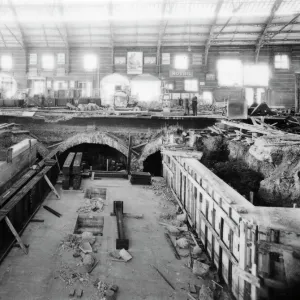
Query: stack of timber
[
  {"x": 110, "y": 174},
  {"x": 76, "y": 171},
  {"x": 67, "y": 171},
  {"x": 140, "y": 178}
]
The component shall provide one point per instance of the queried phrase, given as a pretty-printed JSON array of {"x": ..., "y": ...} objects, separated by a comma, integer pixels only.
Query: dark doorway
[
  {"x": 153, "y": 164},
  {"x": 98, "y": 156}
]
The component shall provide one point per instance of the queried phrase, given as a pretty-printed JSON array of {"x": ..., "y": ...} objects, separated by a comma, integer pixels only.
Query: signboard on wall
[
  {"x": 181, "y": 73},
  {"x": 210, "y": 76},
  {"x": 32, "y": 58},
  {"x": 120, "y": 60},
  {"x": 165, "y": 59},
  {"x": 197, "y": 58},
  {"x": 61, "y": 58},
  {"x": 149, "y": 60},
  {"x": 135, "y": 63}
]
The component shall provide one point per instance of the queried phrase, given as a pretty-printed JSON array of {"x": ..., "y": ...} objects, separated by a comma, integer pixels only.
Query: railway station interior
[{"x": 149, "y": 149}]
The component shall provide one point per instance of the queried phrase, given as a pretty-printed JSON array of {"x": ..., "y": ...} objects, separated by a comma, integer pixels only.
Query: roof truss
[
  {"x": 211, "y": 31},
  {"x": 263, "y": 35}
]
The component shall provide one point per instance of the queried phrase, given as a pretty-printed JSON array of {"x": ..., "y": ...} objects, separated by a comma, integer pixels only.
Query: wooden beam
[
  {"x": 263, "y": 35},
  {"x": 16, "y": 235},
  {"x": 20, "y": 28},
  {"x": 3, "y": 40},
  {"x": 111, "y": 27},
  {"x": 51, "y": 186},
  {"x": 238, "y": 271},
  {"x": 211, "y": 31},
  {"x": 226, "y": 24},
  {"x": 45, "y": 36},
  {"x": 183, "y": 153},
  {"x": 292, "y": 22},
  {"x": 65, "y": 34},
  {"x": 265, "y": 246}
]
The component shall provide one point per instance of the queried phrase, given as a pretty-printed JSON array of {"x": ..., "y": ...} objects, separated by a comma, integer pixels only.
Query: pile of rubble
[
  {"x": 84, "y": 107},
  {"x": 161, "y": 189},
  {"x": 92, "y": 205}
]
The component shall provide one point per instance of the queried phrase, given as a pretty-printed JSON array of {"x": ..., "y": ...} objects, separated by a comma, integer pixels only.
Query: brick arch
[
  {"x": 149, "y": 149},
  {"x": 95, "y": 137}
]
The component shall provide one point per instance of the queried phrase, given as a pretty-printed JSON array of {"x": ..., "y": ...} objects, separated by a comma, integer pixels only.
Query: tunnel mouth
[
  {"x": 153, "y": 164},
  {"x": 99, "y": 157}
]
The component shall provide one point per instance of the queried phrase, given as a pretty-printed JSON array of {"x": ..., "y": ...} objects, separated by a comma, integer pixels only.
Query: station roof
[{"x": 150, "y": 23}]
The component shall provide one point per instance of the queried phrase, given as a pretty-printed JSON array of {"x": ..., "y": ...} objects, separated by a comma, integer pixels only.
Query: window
[
  {"x": 6, "y": 62},
  {"x": 181, "y": 61},
  {"x": 256, "y": 75},
  {"x": 191, "y": 85},
  {"x": 48, "y": 62},
  {"x": 207, "y": 97},
  {"x": 90, "y": 62},
  {"x": 230, "y": 72},
  {"x": 281, "y": 61}
]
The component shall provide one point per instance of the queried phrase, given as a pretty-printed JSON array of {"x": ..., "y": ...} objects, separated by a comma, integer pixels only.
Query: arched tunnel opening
[
  {"x": 153, "y": 164},
  {"x": 98, "y": 157}
]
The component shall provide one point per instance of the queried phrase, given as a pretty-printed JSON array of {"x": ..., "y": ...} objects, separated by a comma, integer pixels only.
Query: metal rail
[{"x": 121, "y": 242}]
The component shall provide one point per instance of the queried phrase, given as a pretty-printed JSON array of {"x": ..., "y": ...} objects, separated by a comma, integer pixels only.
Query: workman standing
[
  {"x": 186, "y": 107},
  {"x": 194, "y": 105}
]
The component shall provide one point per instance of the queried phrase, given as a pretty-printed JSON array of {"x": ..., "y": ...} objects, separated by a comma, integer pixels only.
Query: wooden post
[
  {"x": 254, "y": 261},
  {"x": 129, "y": 154},
  {"x": 51, "y": 186},
  {"x": 251, "y": 197},
  {"x": 57, "y": 163},
  {"x": 243, "y": 256},
  {"x": 14, "y": 232}
]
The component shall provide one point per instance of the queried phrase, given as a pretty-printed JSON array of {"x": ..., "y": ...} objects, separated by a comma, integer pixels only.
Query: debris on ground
[
  {"x": 92, "y": 205},
  {"x": 199, "y": 268},
  {"x": 183, "y": 243},
  {"x": 197, "y": 251},
  {"x": 161, "y": 189},
  {"x": 125, "y": 255},
  {"x": 85, "y": 247},
  {"x": 206, "y": 293},
  {"x": 88, "y": 237}
]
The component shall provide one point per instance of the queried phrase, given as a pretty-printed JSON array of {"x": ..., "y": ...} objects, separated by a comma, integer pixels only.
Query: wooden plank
[
  {"x": 51, "y": 186},
  {"x": 20, "y": 194},
  {"x": 242, "y": 273},
  {"x": 66, "y": 169},
  {"x": 226, "y": 218},
  {"x": 265, "y": 247},
  {"x": 129, "y": 154},
  {"x": 185, "y": 154},
  {"x": 77, "y": 163},
  {"x": 14, "y": 232}
]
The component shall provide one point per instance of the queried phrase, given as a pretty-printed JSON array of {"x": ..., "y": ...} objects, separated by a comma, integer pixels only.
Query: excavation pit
[{"x": 93, "y": 224}]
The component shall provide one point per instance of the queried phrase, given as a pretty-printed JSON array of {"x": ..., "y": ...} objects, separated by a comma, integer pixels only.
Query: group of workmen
[{"x": 186, "y": 104}]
